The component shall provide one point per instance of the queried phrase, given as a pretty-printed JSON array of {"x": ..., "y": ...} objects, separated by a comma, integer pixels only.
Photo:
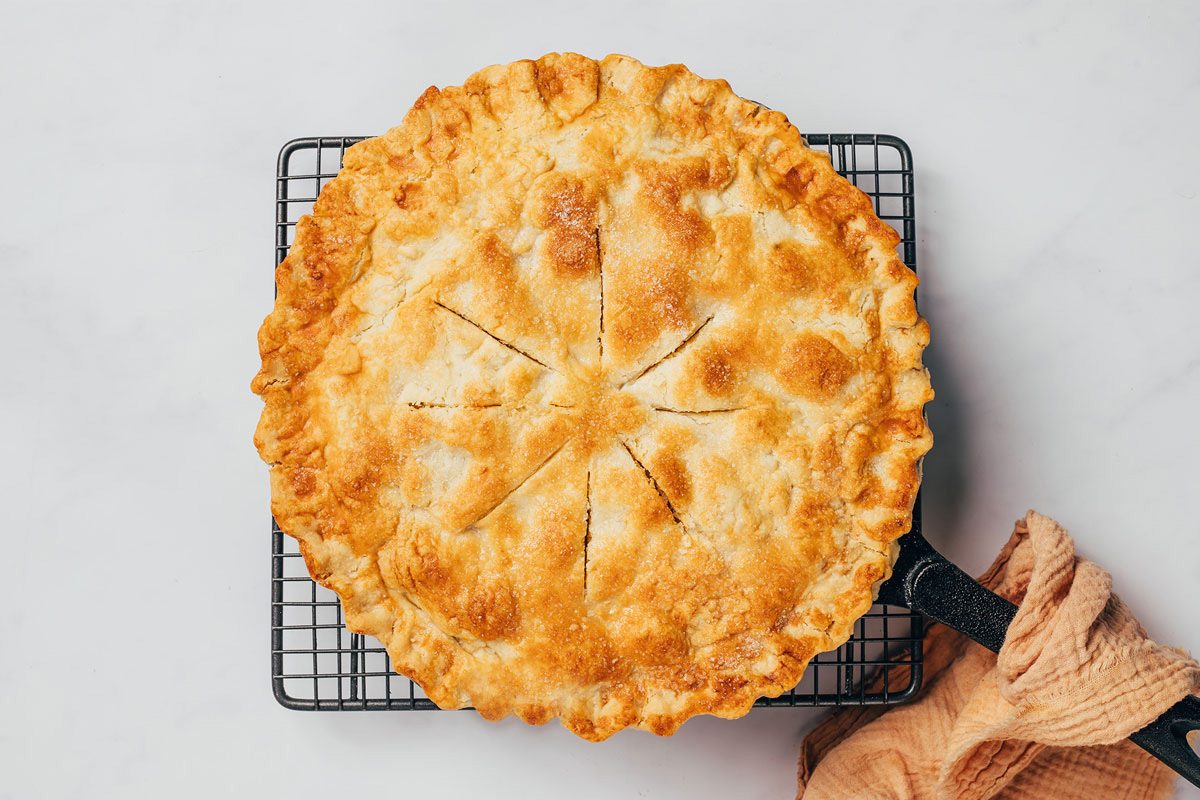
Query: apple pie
[{"x": 595, "y": 394}]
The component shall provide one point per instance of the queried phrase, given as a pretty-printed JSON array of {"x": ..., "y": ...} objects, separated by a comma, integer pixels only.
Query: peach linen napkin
[{"x": 1047, "y": 718}]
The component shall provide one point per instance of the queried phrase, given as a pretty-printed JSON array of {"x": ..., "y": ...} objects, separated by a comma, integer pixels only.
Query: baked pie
[{"x": 595, "y": 394}]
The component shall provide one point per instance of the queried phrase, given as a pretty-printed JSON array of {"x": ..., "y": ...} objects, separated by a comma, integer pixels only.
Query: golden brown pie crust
[{"x": 594, "y": 393}]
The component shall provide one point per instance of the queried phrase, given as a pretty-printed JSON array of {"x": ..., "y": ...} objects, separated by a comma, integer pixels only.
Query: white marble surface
[{"x": 1057, "y": 198}]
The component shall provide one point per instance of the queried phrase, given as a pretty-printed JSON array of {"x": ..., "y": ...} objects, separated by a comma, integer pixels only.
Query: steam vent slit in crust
[{"x": 595, "y": 394}]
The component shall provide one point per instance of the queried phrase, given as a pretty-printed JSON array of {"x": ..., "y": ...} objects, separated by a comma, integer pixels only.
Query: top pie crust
[{"x": 594, "y": 393}]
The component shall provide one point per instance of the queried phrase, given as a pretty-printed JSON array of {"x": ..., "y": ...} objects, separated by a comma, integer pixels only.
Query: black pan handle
[
  {"x": 925, "y": 581},
  {"x": 1166, "y": 738}
]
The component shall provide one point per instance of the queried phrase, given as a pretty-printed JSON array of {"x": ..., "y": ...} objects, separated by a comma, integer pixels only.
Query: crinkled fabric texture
[{"x": 1047, "y": 718}]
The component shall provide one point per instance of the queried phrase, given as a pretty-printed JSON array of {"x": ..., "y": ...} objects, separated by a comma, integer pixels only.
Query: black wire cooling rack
[{"x": 319, "y": 665}]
